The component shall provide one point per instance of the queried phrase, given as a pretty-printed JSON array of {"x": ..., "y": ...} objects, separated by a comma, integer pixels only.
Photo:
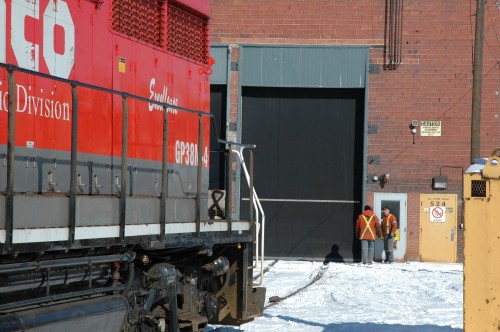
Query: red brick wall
[{"x": 433, "y": 82}]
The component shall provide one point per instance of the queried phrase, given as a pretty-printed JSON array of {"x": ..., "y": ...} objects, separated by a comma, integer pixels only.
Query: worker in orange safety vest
[
  {"x": 368, "y": 229},
  {"x": 389, "y": 227}
]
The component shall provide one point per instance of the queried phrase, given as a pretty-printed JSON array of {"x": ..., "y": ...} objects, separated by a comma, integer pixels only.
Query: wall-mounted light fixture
[
  {"x": 440, "y": 182},
  {"x": 413, "y": 128},
  {"x": 382, "y": 179}
]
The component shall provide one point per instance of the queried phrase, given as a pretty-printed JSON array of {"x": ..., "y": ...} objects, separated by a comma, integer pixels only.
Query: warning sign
[
  {"x": 438, "y": 214},
  {"x": 430, "y": 128}
]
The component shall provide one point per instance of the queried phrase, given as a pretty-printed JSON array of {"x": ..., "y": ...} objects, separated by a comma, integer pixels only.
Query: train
[{"x": 105, "y": 131}]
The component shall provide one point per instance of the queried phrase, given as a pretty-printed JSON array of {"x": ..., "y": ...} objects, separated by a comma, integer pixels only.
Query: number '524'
[{"x": 438, "y": 203}]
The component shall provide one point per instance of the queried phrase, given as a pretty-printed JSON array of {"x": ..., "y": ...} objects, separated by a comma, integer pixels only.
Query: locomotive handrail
[
  {"x": 214, "y": 127},
  {"x": 9, "y": 199},
  {"x": 9, "y": 212},
  {"x": 164, "y": 175},
  {"x": 255, "y": 202},
  {"x": 249, "y": 146},
  {"x": 124, "y": 162},
  {"x": 229, "y": 188},
  {"x": 122, "y": 185},
  {"x": 198, "y": 177},
  {"x": 73, "y": 176}
]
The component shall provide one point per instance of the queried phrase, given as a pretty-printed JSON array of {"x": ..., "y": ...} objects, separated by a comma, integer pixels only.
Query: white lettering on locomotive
[
  {"x": 36, "y": 105},
  {"x": 187, "y": 153},
  {"x": 27, "y": 52},
  {"x": 58, "y": 64},
  {"x": 161, "y": 97}
]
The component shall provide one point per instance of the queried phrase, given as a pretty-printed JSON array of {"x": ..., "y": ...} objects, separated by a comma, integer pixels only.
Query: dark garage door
[{"x": 308, "y": 168}]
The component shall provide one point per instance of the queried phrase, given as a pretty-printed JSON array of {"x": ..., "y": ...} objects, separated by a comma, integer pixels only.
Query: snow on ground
[{"x": 348, "y": 297}]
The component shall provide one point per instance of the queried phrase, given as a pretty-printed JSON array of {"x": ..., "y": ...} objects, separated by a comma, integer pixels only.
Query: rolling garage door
[
  {"x": 309, "y": 158},
  {"x": 308, "y": 166}
]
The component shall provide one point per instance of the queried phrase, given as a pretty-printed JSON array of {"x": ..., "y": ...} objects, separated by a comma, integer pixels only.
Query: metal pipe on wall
[{"x": 477, "y": 81}]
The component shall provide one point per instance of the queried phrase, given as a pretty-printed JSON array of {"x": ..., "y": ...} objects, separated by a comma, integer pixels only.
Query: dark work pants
[{"x": 389, "y": 248}]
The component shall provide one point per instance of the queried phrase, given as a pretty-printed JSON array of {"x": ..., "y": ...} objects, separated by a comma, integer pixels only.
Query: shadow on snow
[{"x": 349, "y": 327}]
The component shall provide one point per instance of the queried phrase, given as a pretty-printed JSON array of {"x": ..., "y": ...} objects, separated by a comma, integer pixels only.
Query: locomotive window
[
  {"x": 141, "y": 19},
  {"x": 187, "y": 33}
]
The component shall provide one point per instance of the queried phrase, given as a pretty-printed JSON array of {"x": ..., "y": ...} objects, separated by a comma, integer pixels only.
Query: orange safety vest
[
  {"x": 367, "y": 227},
  {"x": 388, "y": 224}
]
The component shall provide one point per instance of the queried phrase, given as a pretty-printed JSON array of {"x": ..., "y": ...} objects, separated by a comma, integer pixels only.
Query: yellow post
[{"x": 482, "y": 246}]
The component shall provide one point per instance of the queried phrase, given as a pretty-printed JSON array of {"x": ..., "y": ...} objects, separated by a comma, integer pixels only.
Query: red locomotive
[{"x": 104, "y": 163}]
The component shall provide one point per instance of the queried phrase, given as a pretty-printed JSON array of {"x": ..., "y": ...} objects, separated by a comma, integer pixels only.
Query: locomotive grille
[
  {"x": 170, "y": 26},
  {"x": 478, "y": 188},
  {"x": 140, "y": 19},
  {"x": 187, "y": 33}
]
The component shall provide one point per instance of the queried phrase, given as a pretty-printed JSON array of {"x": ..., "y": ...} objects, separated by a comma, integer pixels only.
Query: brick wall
[{"x": 433, "y": 82}]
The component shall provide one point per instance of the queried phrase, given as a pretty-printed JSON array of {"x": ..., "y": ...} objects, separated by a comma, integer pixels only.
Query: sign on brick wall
[{"x": 430, "y": 128}]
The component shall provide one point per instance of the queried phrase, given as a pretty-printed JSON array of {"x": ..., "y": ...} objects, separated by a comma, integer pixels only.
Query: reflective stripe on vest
[
  {"x": 367, "y": 221},
  {"x": 388, "y": 224}
]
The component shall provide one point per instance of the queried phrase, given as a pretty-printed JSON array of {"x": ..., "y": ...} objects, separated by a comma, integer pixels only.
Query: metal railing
[
  {"x": 9, "y": 222},
  {"x": 254, "y": 203},
  {"x": 72, "y": 193}
]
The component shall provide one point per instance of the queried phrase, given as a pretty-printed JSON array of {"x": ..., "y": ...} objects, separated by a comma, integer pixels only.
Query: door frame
[{"x": 400, "y": 252}]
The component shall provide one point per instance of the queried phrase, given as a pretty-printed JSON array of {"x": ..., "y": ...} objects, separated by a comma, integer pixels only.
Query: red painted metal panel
[{"x": 76, "y": 40}]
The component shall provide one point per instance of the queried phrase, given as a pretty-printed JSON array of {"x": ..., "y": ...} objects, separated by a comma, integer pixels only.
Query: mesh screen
[
  {"x": 169, "y": 26},
  {"x": 478, "y": 188},
  {"x": 187, "y": 33},
  {"x": 140, "y": 19}
]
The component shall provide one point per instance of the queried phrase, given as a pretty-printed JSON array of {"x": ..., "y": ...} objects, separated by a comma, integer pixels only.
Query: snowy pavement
[{"x": 348, "y": 297}]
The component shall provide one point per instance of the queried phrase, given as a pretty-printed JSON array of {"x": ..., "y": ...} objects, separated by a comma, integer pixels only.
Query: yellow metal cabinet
[{"x": 482, "y": 246}]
